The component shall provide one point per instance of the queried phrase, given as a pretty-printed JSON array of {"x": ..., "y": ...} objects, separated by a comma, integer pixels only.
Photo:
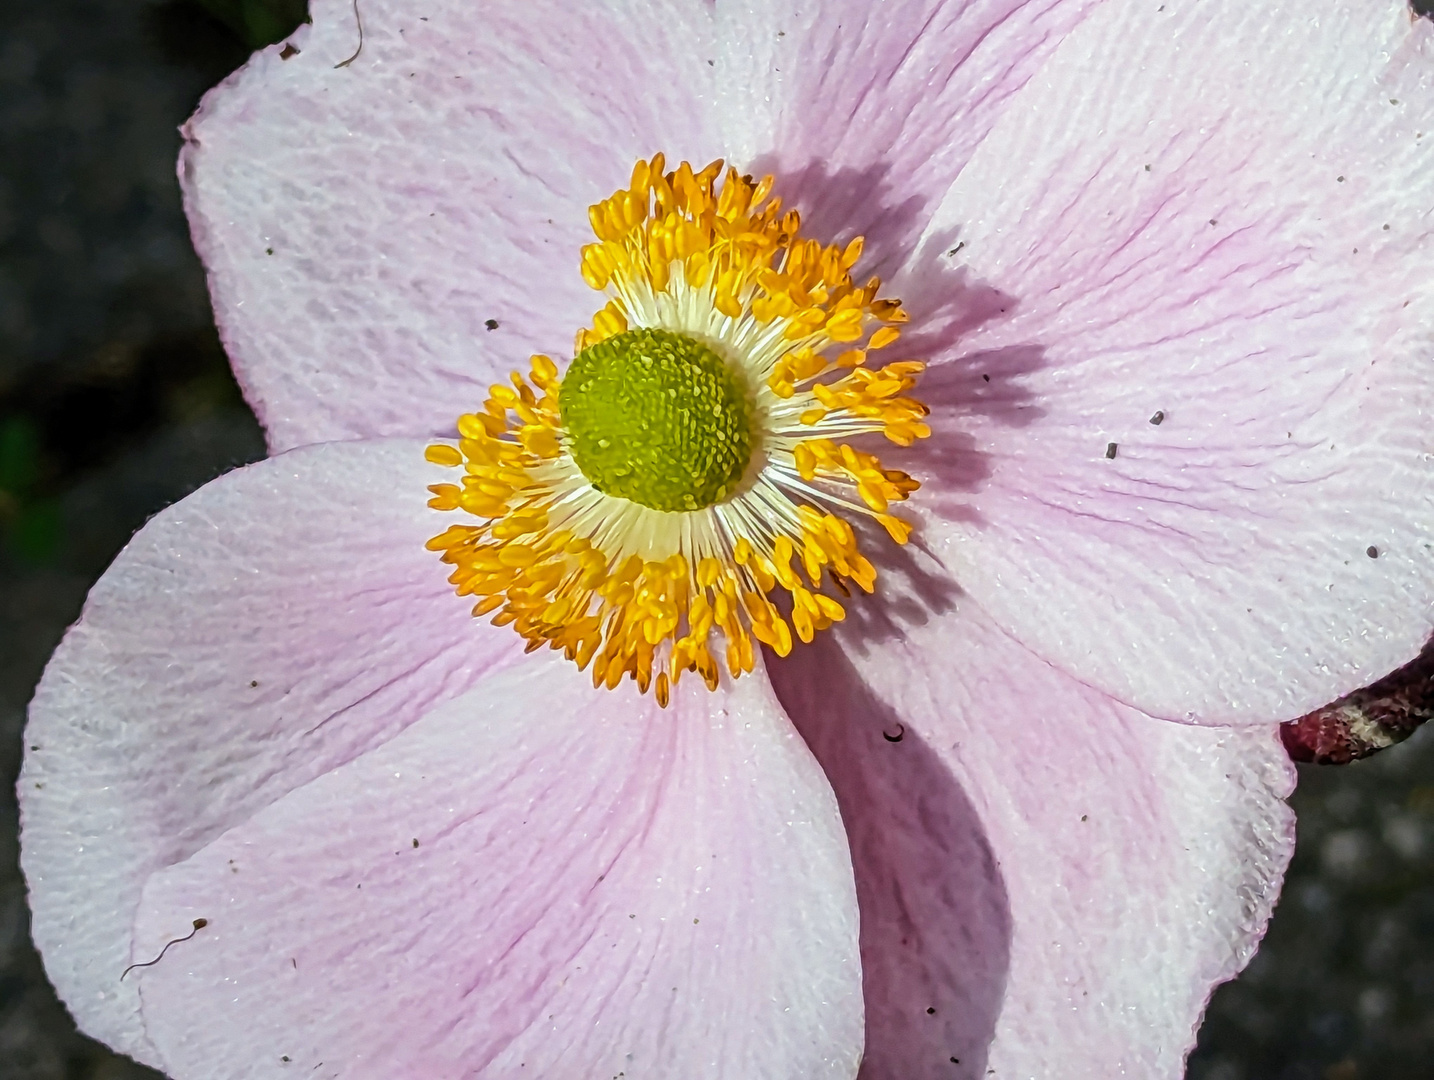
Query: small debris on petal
[
  {"x": 1158, "y": 418},
  {"x": 1110, "y": 449},
  {"x": 198, "y": 924}
]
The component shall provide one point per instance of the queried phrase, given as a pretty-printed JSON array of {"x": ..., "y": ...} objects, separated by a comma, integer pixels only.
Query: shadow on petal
[
  {"x": 935, "y": 916},
  {"x": 838, "y": 205},
  {"x": 968, "y": 389},
  {"x": 964, "y": 385},
  {"x": 912, "y": 589}
]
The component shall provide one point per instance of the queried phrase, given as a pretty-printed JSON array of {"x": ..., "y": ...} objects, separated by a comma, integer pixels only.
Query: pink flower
[{"x": 1171, "y": 267}]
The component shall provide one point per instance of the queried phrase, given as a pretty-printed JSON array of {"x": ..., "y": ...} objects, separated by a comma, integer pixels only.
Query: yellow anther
[
  {"x": 539, "y": 440},
  {"x": 806, "y": 460},
  {"x": 517, "y": 555},
  {"x": 505, "y": 396},
  {"x": 442, "y": 454},
  {"x": 845, "y": 325},
  {"x": 610, "y": 321},
  {"x": 802, "y": 621},
  {"x": 470, "y": 427},
  {"x": 760, "y": 568},
  {"x": 445, "y": 496},
  {"x": 900, "y": 530},
  {"x": 488, "y": 604},
  {"x": 545, "y": 372},
  {"x": 883, "y": 337},
  {"x": 782, "y": 642}
]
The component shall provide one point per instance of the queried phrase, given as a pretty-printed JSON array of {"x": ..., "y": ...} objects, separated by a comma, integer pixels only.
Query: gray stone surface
[
  {"x": 1343, "y": 986},
  {"x": 109, "y": 363},
  {"x": 105, "y": 350},
  {"x": 94, "y": 244}
]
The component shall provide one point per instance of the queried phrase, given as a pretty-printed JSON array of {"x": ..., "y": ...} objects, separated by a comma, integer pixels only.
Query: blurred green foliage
[
  {"x": 19, "y": 455},
  {"x": 258, "y": 22},
  {"x": 29, "y": 522}
]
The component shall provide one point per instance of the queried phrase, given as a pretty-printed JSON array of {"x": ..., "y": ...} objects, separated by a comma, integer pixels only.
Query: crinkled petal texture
[
  {"x": 1218, "y": 212},
  {"x": 414, "y": 857},
  {"x": 866, "y": 112},
  {"x": 279, "y": 622},
  {"x": 362, "y": 225},
  {"x": 534, "y": 880},
  {"x": 354, "y": 276},
  {"x": 419, "y": 856},
  {"x": 1186, "y": 234},
  {"x": 1050, "y": 883}
]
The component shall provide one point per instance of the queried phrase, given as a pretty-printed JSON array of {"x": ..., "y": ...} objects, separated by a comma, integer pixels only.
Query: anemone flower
[{"x": 794, "y": 790}]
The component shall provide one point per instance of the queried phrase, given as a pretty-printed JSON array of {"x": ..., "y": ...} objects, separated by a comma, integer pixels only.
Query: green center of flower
[{"x": 657, "y": 418}]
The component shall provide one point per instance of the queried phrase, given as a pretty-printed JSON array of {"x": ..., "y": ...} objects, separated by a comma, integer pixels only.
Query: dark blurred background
[{"x": 116, "y": 400}]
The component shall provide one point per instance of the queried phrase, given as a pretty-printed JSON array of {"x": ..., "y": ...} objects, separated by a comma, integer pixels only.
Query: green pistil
[{"x": 657, "y": 418}]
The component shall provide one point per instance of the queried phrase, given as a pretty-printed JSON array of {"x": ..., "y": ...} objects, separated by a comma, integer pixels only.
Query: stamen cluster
[{"x": 651, "y": 593}]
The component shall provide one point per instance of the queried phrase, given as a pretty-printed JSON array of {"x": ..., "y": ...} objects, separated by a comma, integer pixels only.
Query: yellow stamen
[{"x": 650, "y": 594}]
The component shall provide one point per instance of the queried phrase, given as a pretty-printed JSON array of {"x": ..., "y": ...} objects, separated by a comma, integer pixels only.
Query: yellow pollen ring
[{"x": 650, "y": 594}]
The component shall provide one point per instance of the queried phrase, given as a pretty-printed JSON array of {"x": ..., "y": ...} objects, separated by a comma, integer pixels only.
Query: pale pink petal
[
  {"x": 277, "y": 623},
  {"x": 362, "y": 224},
  {"x": 1049, "y": 883},
  {"x": 867, "y": 112},
  {"x": 1217, "y": 212},
  {"x": 537, "y": 879}
]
